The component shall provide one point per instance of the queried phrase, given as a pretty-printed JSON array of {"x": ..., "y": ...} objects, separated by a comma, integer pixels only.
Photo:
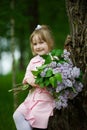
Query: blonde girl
[{"x": 38, "y": 106}]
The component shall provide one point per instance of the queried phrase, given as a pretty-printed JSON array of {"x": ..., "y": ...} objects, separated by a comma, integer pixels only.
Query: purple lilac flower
[
  {"x": 75, "y": 72},
  {"x": 58, "y": 105},
  {"x": 70, "y": 62},
  {"x": 66, "y": 53},
  {"x": 78, "y": 86},
  {"x": 56, "y": 70},
  {"x": 65, "y": 74},
  {"x": 43, "y": 74},
  {"x": 61, "y": 103},
  {"x": 60, "y": 86},
  {"x": 69, "y": 74},
  {"x": 59, "y": 64},
  {"x": 53, "y": 64},
  {"x": 51, "y": 89},
  {"x": 68, "y": 83},
  {"x": 66, "y": 57}
]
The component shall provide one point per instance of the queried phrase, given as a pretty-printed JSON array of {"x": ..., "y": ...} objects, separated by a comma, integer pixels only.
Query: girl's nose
[{"x": 38, "y": 46}]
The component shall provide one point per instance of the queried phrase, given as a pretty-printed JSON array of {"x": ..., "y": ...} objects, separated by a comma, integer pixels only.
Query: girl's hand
[{"x": 30, "y": 82}]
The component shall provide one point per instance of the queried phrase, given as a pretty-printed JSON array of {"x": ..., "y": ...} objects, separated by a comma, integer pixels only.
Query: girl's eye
[
  {"x": 41, "y": 42},
  {"x": 34, "y": 44}
]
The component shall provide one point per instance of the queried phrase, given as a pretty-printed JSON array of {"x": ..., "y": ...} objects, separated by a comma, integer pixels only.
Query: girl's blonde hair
[{"x": 45, "y": 34}]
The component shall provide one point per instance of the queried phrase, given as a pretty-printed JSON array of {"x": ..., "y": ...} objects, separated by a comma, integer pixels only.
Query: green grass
[{"x": 6, "y": 101}]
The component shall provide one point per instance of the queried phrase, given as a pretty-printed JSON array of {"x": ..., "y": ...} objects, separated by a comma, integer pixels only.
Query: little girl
[{"x": 35, "y": 111}]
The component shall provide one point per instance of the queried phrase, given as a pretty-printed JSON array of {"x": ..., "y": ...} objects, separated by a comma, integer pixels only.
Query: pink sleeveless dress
[{"x": 39, "y": 104}]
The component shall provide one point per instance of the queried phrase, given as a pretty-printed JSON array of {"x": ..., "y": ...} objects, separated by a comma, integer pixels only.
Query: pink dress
[{"x": 39, "y": 104}]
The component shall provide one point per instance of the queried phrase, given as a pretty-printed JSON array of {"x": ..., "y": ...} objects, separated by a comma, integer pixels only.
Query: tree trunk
[
  {"x": 31, "y": 12},
  {"x": 13, "y": 58},
  {"x": 34, "y": 15},
  {"x": 74, "y": 117}
]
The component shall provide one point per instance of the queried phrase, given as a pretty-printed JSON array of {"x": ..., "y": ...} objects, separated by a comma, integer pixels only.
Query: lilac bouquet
[{"x": 61, "y": 78}]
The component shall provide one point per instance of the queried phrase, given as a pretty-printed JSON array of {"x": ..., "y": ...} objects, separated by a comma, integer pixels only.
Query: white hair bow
[{"x": 38, "y": 27}]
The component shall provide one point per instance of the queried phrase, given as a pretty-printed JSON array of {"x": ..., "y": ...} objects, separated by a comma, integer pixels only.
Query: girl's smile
[{"x": 40, "y": 47}]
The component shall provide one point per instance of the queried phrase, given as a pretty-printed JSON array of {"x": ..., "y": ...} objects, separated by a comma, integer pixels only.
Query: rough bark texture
[{"x": 74, "y": 117}]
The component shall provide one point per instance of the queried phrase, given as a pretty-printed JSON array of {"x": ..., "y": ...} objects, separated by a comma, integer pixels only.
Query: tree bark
[
  {"x": 33, "y": 12},
  {"x": 74, "y": 117},
  {"x": 13, "y": 58}
]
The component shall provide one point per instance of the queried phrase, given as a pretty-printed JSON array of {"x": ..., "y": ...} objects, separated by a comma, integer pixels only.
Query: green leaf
[
  {"x": 57, "y": 52},
  {"x": 47, "y": 82},
  {"x": 53, "y": 81},
  {"x": 39, "y": 80},
  {"x": 25, "y": 86},
  {"x": 42, "y": 85},
  {"x": 41, "y": 68},
  {"x": 74, "y": 90},
  {"x": 35, "y": 72},
  {"x": 49, "y": 73},
  {"x": 47, "y": 59},
  {"x": 58, "y": 77},
  {"x": 61, "y": 61}
]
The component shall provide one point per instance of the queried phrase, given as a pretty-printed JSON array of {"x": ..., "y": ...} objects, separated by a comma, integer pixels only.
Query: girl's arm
[{"x": 29, "y": 77}]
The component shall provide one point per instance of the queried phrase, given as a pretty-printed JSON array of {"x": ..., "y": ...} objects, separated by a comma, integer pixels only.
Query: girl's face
[{"x": 40, "y": 47}]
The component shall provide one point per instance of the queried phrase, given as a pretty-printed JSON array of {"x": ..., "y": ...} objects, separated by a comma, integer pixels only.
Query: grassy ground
[
  {"x": 6, "y": 101},
  {"x": 6, "y": 104}
]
